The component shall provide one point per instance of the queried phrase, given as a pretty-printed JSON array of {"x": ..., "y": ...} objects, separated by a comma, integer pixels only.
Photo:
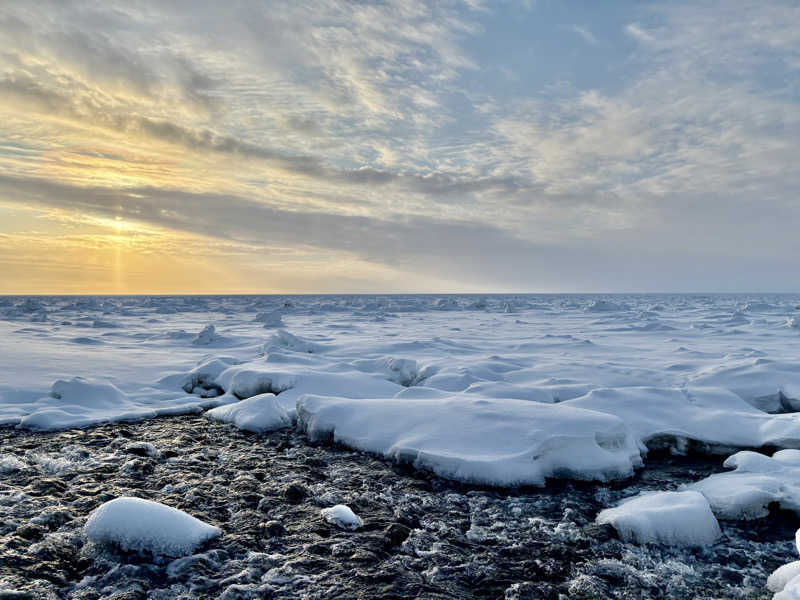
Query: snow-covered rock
[
  {"x": 257, "y": 414},
  {"x": 496, "y": 442},
  {"x": 342, "y": 516},
  {"x": 756, "y": 482},
  {"x": 672, "y": 518},
  {"x": 137, "y": 525}
]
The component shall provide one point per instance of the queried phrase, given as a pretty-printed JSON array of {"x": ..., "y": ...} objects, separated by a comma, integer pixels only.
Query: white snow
[
  {"x": 756, "y": 482},
  {"x": 785, "y": 580},
  {"x": 504, "y": 443},
  {"x": 258, "y": 414},
  {"x": 137, "y": 525},
  {"x": 667, "y": 367},
  {"x": 672, "y": 518},
  {"x": 342, "y": 516}
]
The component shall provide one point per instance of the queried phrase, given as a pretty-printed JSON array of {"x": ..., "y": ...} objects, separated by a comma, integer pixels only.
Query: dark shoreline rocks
[{"x": 422, "y": 537}]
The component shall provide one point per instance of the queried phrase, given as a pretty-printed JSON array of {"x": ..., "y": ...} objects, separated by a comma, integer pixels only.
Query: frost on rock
[
  {"x": 504, "y": 443},
  {"x": 342, "y": 516},
  {"x": 257, "y": 414},
  {"x": 756, "y": 482},
  {"x": 672, "y": 518},
  {"x": 144, "y": 526}
]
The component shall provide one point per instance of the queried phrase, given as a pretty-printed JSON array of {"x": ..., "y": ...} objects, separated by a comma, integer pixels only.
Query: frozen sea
[{"x": 503, "y": 392}]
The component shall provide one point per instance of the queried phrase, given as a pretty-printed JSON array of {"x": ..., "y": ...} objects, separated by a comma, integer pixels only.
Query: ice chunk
[
  {"x": 757, "y": 481},
  {"x": 673, "y": 518},
  {"x": 497, "y": 442},
  {"x": 137, "y": 525},
  {"x": 206, "y": 336},
  {"x": 342, "y": 516},
  {"x": 258, "y": 414},
  {"x": 270, "y": 319}
]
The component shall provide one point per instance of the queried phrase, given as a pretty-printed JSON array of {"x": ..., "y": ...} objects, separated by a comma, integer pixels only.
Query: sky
[{"x": 399, "y": 146}]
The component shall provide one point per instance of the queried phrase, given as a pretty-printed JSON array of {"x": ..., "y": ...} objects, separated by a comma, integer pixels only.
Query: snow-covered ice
[
  {"x": 342, "y": 516},
  {"x": 258, "y": 414},
  {"x": 756, "y": 482},
  {"x": 479, "y": 440},
  {"x": 785, "y": 580},
  {"x": 673, "y": 518},
  {"x": 137, "y": 525},
  {"x": 720, "y": 370}
]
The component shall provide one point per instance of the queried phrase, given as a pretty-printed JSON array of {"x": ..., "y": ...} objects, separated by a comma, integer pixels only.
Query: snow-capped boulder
[
  {"x": 672, "y": 518},
  {"x": 144, "y": 526},
  {"x": 342, "y": 516}
]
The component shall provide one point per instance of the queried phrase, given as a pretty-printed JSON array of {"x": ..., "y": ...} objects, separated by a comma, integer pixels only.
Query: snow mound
[
  {"x": 270, "y": 319},
  {"x": 605, "y": 306},
  {"x": 144, "y": 526},
  {"x": 785, "y": 580},
  {"x": 342, "y": 516},
  {"x": 496, "y": 442},
  {"x": 206, "y": 336},
  {"x": 284, "y": 339},
  {"x": 781, "y": 577},
  {"x": 756, "y": 482},
  {"x": 672, "y": 518},
  {"x": 75, "y": 403},
  {"x": 257, "y": 414}
]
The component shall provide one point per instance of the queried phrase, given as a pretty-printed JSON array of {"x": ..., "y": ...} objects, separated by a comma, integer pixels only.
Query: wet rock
[
  {"x": 273, "y": 529},
  {"x": 295, "y": 493},
  {"x": 600, "y": 532},
  {"x": 30, "y": 532},
  {"x": 395, "y": 534}
]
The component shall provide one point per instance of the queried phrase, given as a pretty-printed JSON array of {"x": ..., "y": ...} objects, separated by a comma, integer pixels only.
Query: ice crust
[
  {"x": 756, "y": 482},
  {"x": 144, "y": 526},
  {"x": 723, "y": 371},
  {"x": 672, "y": 518}
]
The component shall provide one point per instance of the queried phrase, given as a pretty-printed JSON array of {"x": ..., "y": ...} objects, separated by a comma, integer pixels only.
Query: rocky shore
[{"x": 422, "y": 537}]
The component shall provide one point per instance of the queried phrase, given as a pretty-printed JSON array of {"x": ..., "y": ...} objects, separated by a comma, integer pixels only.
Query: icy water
[
  {"x": 427, "y": 415},
  {"x": 423, "y": 537}
]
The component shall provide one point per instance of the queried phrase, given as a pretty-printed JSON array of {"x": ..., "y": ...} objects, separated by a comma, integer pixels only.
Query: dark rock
[
  {"x": 600, "y": 532},
  {"x": 273, "y": 529},
  {"x": 294, "y": 493},
  {"x": 30, "y": 532},
  {"x": 395, "y": 534}
]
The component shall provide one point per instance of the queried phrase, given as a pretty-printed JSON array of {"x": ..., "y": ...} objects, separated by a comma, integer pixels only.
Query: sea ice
[
  {"x": 137, "y": 525},
  {"x": 504, "y": 443},
  {"x": 672, "y": 518}
]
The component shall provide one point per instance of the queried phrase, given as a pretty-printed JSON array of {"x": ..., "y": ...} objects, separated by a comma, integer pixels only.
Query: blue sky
[{"x": 399, "y": 146}]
